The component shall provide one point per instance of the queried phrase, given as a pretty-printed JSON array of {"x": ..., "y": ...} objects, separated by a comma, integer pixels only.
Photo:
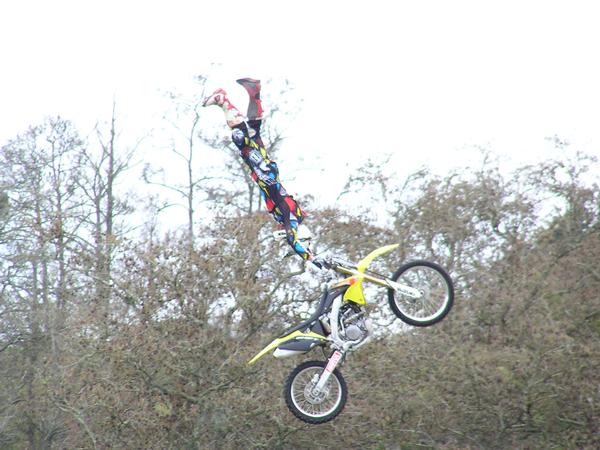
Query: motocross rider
[{"x": 264, "y": 171}]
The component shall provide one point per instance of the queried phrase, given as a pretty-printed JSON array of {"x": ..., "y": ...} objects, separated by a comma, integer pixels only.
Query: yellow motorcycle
[{"x": 420, "y": 293}]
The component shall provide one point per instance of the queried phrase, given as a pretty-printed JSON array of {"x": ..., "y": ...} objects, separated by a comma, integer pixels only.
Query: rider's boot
[
  {"x": 255, "y": 110},
  {"x": 232, "y": 116}
]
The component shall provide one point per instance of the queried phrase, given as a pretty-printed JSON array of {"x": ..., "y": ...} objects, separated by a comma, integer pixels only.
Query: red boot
[
  {"x": 252, "y": 86},
  {"x": 232, "y": 116}
]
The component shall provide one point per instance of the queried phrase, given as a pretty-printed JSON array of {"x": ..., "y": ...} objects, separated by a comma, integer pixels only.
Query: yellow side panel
[
  {"x": 355, "y": 293},
  {"x": 273, "y": 345}
]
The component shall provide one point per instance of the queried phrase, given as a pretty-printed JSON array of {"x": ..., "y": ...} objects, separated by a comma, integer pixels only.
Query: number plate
[{"x": 333, "y": 361}]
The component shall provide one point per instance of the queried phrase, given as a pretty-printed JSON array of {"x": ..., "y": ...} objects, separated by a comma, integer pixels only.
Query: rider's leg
[
  {"x": 252, "y": 86},
  {"x": 233, "y": 117},
  {"x": 255, "y": 110}
]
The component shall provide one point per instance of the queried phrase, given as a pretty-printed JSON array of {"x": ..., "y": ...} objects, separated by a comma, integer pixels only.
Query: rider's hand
[{"x": 318, "y": 261}]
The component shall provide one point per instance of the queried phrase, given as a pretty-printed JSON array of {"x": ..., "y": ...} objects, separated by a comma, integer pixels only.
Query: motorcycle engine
[
  {"x": 355, "y": 325},
  {"x": 354, "y": 332}
]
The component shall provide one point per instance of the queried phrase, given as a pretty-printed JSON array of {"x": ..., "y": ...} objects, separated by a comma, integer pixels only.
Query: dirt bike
[{"x": 420, "y": 293}]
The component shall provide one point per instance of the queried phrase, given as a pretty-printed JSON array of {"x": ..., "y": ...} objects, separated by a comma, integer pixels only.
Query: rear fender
[{"x": 355, "y": 291}]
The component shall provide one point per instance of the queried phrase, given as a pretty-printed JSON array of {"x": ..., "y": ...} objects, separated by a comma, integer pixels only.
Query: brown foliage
[{"x": 163, "y": 363}]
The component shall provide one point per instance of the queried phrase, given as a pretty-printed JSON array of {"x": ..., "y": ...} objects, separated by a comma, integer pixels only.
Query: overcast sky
[{"x": 428, "y": 81}]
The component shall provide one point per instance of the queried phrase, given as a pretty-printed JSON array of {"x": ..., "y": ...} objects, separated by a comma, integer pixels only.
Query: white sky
[{"x": 428, "y": 81}]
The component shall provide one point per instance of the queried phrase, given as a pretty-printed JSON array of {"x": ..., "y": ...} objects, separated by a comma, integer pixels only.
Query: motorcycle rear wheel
[
  {"x": 437, "y": 293},
  {"x": 307, "y": 406}
]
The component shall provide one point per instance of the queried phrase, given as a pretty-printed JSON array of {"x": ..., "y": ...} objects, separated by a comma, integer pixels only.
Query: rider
[{"x": 264, "y": 171}]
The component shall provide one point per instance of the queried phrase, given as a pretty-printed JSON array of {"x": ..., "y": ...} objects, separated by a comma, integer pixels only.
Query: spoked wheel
[
  {"x": 305, "y": 403},
  {"x": 436, "y": 293}
]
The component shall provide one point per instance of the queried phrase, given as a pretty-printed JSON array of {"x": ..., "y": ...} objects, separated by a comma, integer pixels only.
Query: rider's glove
[{"x": 318, "y": 261}]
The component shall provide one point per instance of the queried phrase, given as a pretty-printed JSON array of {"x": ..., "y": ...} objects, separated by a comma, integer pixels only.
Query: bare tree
[
  {"x": 104, "y": 167},
  {"x": 186, "y": 121},
  {"x": 39, "y": 169}
]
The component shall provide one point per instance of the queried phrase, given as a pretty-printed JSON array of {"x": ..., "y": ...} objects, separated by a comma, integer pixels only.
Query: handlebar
[{"x": 333, "y": 262}]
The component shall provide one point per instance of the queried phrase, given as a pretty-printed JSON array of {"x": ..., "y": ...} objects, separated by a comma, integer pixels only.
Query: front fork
[
  {"x": 334, "y": 360},
  {"x": 341, "y": 346}
]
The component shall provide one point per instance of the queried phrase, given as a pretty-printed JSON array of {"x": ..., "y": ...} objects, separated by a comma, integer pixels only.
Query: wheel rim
[
  {"x": 434, "y": 290},
  {"x": 307, "y": 402}
]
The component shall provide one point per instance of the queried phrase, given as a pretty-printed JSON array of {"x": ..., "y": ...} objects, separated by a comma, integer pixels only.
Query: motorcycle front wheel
[
  {"x": 309, "y": 406},
  {"x": 436, "y": 293}
]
